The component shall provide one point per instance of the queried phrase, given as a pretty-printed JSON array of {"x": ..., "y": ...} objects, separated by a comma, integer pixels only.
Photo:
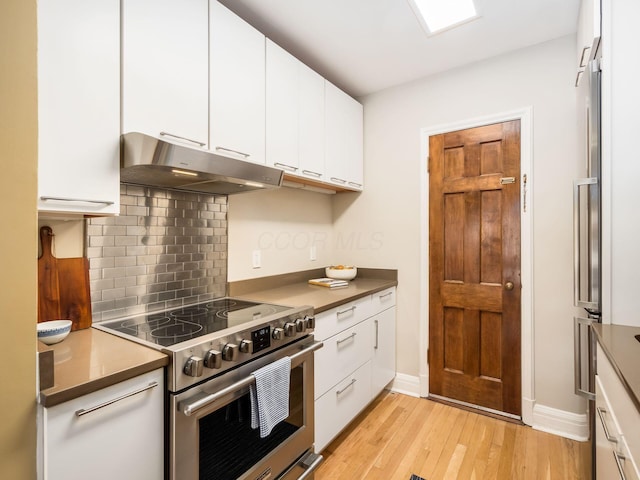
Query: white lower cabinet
[
  {"x": 336, "y": 408},
  {"x": 114, "y": 433},
  {"x": 617, "y": 432},
  {"x": 356, "y": 362},
  {"x": 384, "y": 349},
  {"x": 340, "y": 354}
]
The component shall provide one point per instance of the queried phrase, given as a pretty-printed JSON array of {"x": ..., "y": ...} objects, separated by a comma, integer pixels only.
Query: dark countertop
[
  {"x": 89, "y": 360},
  {"x": 623, "y": 351},
  {"x": 294, "y": 290}
]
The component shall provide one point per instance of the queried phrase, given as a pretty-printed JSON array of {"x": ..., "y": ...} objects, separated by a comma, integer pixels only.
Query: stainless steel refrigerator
[{"x": 587, "y": 246}]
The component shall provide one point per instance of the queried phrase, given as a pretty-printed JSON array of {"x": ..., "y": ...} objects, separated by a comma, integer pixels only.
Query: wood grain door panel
[{"x": 474, "y": 245}]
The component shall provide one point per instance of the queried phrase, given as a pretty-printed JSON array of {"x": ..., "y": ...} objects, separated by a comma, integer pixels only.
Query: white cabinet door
[
  {"x": 384, "y": 349},
  {"x": 79, "y": 106},
  {"x": 122, "y": 440},
  {"x": 295, "y": 115},
  {"x": 237, "y": 88},
  {"x": 344, "y": 139},
  {"x": 165, "y": 69},
  {"x": 341, "y": 355},
  {"x": 339, "y": 406},
  {"x": 312, "y": 116},
  {"x": 282, "y": 104}
]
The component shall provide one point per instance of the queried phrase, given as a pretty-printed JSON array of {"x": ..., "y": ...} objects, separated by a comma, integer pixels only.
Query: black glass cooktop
[{"x": 174, "y": 326}]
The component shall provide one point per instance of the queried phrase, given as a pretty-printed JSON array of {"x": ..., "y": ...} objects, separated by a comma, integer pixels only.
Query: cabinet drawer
[
  {"x": 99, "y": 435},
  {"x": 626, "y": 413},
  {"x": 341, "y": 354},
  {"x": 380, "y": 301},
  {"x": 337, "y": 319},
  {"x": 336, "y": 408}
]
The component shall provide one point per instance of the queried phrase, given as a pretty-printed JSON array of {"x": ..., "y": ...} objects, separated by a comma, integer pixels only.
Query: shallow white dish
[
  {"x": 345, "y": 273},
  {"x": 53, "y": 331}
]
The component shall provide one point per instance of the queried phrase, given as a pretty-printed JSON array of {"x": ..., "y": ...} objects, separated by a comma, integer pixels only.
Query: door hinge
[
  {"x": 428, "y": 358},
  {"x": 428, "y": 164}
]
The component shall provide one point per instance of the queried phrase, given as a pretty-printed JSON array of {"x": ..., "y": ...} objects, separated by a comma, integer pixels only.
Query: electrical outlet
[
  {"x": 256, "y": 259},
  {"x": 312, "y": 253}
]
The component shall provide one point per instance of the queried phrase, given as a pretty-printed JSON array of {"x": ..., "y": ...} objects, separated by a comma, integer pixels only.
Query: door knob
[{"x": 508, "y": 286}]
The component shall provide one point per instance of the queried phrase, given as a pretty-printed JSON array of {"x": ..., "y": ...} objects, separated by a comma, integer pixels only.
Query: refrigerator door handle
[
  {"x": 586, "y": 261},
  {"x": 584, "y": 365}
]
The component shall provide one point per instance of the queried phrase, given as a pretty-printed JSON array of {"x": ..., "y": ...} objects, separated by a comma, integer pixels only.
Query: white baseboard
[
  {"x": 551, "y": 420},
  {"x": 406, "y": 384},
  {"x": 559, "y": 422}
]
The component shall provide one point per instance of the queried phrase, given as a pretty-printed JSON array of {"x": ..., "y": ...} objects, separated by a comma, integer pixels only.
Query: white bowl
[
  {"x": 53, "y": 331},
  {"x": 344, "y": 273}
]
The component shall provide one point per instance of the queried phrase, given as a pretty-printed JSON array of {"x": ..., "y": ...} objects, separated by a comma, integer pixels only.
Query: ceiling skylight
[{"x": 439, "y": 15}]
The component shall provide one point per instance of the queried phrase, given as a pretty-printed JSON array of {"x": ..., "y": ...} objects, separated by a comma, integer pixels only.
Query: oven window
[{"x": 229, "y": 446}]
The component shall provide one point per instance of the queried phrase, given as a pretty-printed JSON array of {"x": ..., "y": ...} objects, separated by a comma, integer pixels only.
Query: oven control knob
[
  {"x": 310, "y": 322},
  {"x": 246, "y": 346},
  {"x": 230, "y": 352},
  {"x": 213, "y": 359},
  {"x": 300, "y": 323},
  {"x": 193, "y": 367},
  {"x": 278, "y": 333},
  {"x": 290, "y": 329}
]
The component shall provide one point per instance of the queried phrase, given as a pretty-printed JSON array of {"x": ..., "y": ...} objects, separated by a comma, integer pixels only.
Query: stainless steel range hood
[{"x": 151, "y": 161}]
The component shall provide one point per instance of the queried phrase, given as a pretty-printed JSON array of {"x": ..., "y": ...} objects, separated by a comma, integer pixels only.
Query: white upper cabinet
[
  {"x": 295, "y": 115},
  {"x": 312, "y": 117},
  {"x": 283, "y": 104},
  {"x": 344, "y": 139},
  {"x": 237, "y": 86},
  {"x": 79, "y": 106},
  {"x": 165, "y": 69}
]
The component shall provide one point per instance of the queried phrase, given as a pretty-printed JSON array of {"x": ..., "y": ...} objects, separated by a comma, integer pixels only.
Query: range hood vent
[{"x": 155, "y": 162}]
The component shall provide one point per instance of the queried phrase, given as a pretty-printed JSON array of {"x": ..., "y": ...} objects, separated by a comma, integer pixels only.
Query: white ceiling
[{"x": 364, "y": 46}]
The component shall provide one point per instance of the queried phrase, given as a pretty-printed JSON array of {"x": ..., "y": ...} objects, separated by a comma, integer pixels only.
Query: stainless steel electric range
[{"x": 214, "y": 348}]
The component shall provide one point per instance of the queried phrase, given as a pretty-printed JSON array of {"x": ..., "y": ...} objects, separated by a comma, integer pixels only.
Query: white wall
[
  {"x": 381, "y": 226},
  {"x": 283, "y": 224},
  {"x": 541, "y": 76}
]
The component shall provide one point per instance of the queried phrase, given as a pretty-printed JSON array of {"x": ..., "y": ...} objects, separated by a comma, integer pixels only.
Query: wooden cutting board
[{"x": 63, "y": 286}]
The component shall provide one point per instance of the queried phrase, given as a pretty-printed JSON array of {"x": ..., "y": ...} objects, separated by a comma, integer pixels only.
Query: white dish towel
[{"x": 270, "y": 395}]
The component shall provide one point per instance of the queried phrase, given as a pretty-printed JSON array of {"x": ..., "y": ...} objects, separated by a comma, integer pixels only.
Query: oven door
[{"x": 210, "y": 424}]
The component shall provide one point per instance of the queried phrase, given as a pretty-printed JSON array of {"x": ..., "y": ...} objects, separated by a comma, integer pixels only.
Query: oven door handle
[{"x": 189, "y": 409}]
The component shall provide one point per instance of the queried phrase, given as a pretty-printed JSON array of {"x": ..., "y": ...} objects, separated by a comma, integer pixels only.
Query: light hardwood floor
[{"x": 398, "y": 435}]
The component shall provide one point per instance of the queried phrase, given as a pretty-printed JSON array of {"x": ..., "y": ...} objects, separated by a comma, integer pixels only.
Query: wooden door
[{"x": 474, "y": 255}]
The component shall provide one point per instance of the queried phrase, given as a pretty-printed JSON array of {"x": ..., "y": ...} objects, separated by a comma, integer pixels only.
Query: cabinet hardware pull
[
  {"x": 83, "y": 200},
  {"x": 189, "y": 409},
  {"x": 376, "y": 345},
  {"x": 385, "y": 295},
  {"x": 245, "y": 155},
  {"x": 348, "y": 310},
  {"x": 601, "y": 411},
  {"x": 84, "y": 411},
  {"x": 286, "y": 167},
  {"x": 312, "y": 173},
  {"x": 354, "y": 184},
  {"x": 167, "y": 134},
  {"x": 350, "y": 337},
  {"x": 618, "y": 457},
  {"x": 339, "y": 180},
  {"x": 338, "y": 392}
]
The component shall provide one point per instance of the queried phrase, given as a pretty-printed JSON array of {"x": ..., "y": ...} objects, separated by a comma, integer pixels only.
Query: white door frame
[{"x": 525, "y": 115}]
